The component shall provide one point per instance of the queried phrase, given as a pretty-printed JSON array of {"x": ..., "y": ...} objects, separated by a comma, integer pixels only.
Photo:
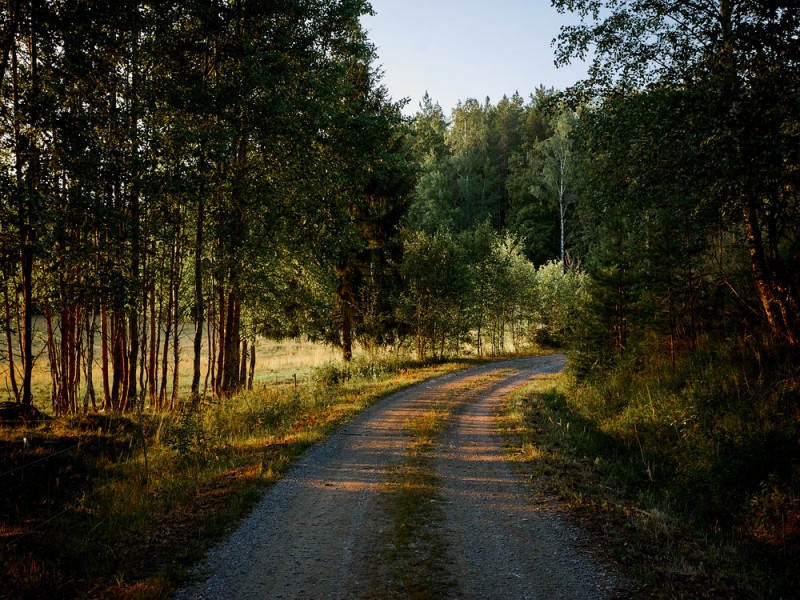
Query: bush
[
  {"x": 188, "y": 437},
  {"x": 707, "y": 437},
  {"x": 560, "y": 303}
]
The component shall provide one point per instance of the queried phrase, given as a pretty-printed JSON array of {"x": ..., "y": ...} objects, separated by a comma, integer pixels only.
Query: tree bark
[
  {"x": 133, "y": 315},
  {"x": 12, "y": 369},
  {"x": 23, "y": 153},
  {"x": 199, "y": 303},
  {"x": 222, "y": 314},
  {"x": 153, "y": 353},
  {"x": 162, "y": 394},
  {"x": 252, "y": 365},
  {"x": 243, "y": 365},
  {"x": 104, "y": 355},
  {"x": 90, "y": 329},
  {"x": 230, "y": 374}
]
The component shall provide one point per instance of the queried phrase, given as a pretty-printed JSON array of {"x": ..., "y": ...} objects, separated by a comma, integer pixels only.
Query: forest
[
  {"x": 223, "y": 166},
  {"x": 235, "y": 168}
]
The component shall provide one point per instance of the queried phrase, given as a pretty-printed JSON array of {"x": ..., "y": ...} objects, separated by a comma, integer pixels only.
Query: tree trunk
[
  {"x": 212, "y": 350},
  {"x": 199, "y": 304},
  {"x": 243, "y": 365},
  {"x": 24, "y": 183},
  {"x": 562, "y": 212},
  {"x": 162, "y": 394},
  {"x": 133, "y": 315},
  {"x": 120, "y": 371},
  {"x": 104, "y": 355},
  {"x": 176, "y": 354},
  {"x": 12, "y": 369},
  {"x": 52, "y": 355},
  {"x": 90, "y": 329},
  {"x": 345, "y": 299},
  {"x": 222, "y": 314},
  {"x": 230, "y": 374},
  {"x": 347, "y": 331},
  {"x": 252, "y": 365},
  {"x": 153, "y": 353},
  {"x": 775, "y": 295}
]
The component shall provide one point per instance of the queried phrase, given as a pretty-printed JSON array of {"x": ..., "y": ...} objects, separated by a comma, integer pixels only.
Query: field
[{"x": 277, "y": 362}]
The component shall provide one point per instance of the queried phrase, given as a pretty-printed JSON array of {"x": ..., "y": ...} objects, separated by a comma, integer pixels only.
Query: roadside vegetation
[
  {"x": 88, "y": 517},
  {"x": 183, "y": 179},
  {"x": 415, "y": 563},
  {"x": 686, "y": 476}
]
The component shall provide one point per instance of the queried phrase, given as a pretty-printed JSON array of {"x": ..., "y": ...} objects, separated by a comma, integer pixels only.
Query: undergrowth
[
  {"x": 695, "y": 468},
  {"x": 91, "y": 518}
]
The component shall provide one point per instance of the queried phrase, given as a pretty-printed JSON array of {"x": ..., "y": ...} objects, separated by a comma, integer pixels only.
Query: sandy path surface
[
  {"x": 503, "y": 542},
  {"x": 314, "y": 531}
]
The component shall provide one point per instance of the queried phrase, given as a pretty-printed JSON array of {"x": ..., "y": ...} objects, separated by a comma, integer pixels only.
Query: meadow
[{"x": 278, "y": 362}]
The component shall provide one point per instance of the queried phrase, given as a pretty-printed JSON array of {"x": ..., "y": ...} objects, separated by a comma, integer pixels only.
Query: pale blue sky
[{"x": 458, "y": 49}]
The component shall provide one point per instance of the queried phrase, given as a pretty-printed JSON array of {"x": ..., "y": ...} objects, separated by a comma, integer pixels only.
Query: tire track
[
  {"x": 315, "y": 532},
  {"x": 503, "y": 545}
]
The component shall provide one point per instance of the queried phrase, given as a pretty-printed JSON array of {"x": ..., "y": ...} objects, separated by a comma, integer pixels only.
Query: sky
[{"x": 459, "y": 49}]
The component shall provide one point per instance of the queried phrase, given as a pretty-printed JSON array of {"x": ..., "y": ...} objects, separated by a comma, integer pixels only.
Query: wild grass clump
[
  {"x": 364, "y": 366},
  {"x": 711, "y": 443}
]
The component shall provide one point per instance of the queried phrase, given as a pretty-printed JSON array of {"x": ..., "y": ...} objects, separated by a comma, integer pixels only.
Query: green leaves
[{"x": 689, "y": 139}]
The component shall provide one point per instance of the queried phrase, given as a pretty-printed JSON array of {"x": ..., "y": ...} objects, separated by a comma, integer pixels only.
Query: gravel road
[{"x": 314, "y": 532}]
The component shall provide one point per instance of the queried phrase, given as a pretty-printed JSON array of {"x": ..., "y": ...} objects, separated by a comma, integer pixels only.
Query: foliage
[
  {"x": 436, "y": 281},
  {"x": 188, "y": 438},
  {"x": 488, "y": 164},
  {"x": 208, "y": 465},
  {"x": 561, "y": 301},
  {"x": 708, "y": 135},
  {"x": 158, "y": 162},
  {"x": 692, "y": 464}
]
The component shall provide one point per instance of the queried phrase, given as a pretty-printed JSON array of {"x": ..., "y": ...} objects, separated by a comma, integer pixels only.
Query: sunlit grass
[
  {"x": 637, "y": 455},
  {"x": 126, "y": 523},
  {"x": 415, "y": 562},
  {"x": 278, "y": 362}
]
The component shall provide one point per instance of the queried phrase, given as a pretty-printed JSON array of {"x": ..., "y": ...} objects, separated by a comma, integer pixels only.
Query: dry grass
[
  {"x": 112, "y": 534},
  {"x": 277, "y": 362}
]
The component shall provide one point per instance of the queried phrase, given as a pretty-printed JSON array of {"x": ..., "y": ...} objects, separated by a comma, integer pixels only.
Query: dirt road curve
[{"x": 315, "y": 532}]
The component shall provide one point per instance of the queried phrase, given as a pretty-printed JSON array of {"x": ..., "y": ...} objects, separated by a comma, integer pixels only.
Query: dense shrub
[{"x": 714, "y": 439}]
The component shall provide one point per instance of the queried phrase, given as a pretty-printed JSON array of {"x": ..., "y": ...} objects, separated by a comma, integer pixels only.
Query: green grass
[
  {"x": 121, "y": 537},
  {"x": 689, "y": 475},
  {"x": 278, "y": 362},
  {"x": 415, "y": 564}
]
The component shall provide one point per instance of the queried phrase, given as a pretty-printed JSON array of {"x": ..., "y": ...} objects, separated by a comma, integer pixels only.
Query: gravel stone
[{"x": 314, "y": 531}]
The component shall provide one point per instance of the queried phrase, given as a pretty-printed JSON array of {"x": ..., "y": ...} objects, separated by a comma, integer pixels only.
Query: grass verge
[
  {"x": 623, "y": 494},
  {"x": 415, "y": 563},
  {"x": 79, "y": 520}
]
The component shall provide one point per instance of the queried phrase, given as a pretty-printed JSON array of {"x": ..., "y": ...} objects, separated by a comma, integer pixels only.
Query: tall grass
[
  {"x": 711, "y": 446},
  {"x": 131, "y": 529},
  {"x": 277, "y": 362}
]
